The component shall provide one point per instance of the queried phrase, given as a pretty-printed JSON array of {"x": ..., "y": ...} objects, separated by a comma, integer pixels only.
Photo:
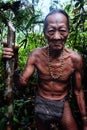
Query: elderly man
[{"x": 55, "y": 66}]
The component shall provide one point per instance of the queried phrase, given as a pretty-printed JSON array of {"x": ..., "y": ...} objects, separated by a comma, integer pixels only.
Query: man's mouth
[{"x": 56, "y": 43}]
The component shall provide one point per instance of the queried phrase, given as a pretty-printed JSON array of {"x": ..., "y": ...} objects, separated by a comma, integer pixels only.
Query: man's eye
[
  {"x": 51, "y": 31},
  {"x": 62, "y": 30}
]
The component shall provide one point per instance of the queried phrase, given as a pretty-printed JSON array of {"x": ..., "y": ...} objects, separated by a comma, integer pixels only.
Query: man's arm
[
  {"x": 80, "y": 95},
  {"x": 78, "y": 88},
  {"x": 28, "y": 71},
  {"x": 22, "y": 79}
]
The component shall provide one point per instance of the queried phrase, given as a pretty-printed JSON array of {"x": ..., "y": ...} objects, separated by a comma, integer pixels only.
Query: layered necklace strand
[{"x": 55, "y": 76}]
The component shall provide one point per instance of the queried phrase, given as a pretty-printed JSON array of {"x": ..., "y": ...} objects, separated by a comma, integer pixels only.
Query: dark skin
[{"x": 49, "y": 88}]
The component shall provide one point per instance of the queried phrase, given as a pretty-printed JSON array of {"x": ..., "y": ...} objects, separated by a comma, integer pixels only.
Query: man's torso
[{"x": 53, "y": 89}]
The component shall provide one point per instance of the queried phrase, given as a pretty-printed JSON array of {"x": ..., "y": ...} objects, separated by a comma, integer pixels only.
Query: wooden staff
[{"x": 9, "y": 77}]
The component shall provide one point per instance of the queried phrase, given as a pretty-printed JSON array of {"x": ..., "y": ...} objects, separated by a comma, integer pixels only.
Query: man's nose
[{"x": 57, "y": 35}]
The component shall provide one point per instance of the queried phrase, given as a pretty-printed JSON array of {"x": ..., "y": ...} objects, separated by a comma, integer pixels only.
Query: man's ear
[
  {"x": 44, "y": 32},
  {"x": 67, "y": 33}
]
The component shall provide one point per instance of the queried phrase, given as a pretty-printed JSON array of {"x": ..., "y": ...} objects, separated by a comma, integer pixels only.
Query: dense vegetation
[{"x": 25, "y": 20}]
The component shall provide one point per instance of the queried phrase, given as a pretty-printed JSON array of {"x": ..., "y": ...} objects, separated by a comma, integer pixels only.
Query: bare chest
[{"x": 56, "y": 69}]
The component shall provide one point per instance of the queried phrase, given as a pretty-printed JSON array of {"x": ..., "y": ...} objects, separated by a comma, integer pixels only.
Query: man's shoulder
[
  {"x": 75, "y": 56},
  {"x": 37, "y": 51}
]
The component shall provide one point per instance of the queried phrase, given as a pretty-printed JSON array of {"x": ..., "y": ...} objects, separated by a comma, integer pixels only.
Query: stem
[{"x": 9, "y": 77}]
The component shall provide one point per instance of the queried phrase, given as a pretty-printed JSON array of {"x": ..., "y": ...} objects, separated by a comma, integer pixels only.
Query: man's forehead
[{"x": 56, "y": 18}]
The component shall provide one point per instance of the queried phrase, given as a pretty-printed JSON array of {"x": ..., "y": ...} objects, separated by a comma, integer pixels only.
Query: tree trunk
[{"x": 9, "y": 77}]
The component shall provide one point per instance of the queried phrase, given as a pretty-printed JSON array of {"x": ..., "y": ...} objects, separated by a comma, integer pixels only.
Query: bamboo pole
[{"x": 9, "y": 77}]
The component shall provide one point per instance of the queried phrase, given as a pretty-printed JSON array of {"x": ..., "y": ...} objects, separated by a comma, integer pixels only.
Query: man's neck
[{"x": 54, "y": 52}]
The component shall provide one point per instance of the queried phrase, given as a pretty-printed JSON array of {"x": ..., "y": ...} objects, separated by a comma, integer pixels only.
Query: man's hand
[
  {"x": 84, "y": 119},
  {"x": 9, "y": 52},
  {"x": 85, "y": 127}
]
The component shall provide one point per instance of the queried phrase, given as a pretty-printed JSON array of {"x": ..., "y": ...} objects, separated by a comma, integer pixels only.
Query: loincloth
[{"x": 49, "y": 110}]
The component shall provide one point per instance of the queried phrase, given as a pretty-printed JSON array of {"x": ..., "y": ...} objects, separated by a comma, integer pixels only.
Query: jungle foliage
[{"x": 25, "y": 18}]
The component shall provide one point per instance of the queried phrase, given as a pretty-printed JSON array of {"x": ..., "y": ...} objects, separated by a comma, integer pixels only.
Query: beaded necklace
[{"x": 55, "y": 76}]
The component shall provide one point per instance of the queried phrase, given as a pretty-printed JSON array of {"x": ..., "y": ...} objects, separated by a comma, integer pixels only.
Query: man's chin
[{"x": 58, "y": 47}]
